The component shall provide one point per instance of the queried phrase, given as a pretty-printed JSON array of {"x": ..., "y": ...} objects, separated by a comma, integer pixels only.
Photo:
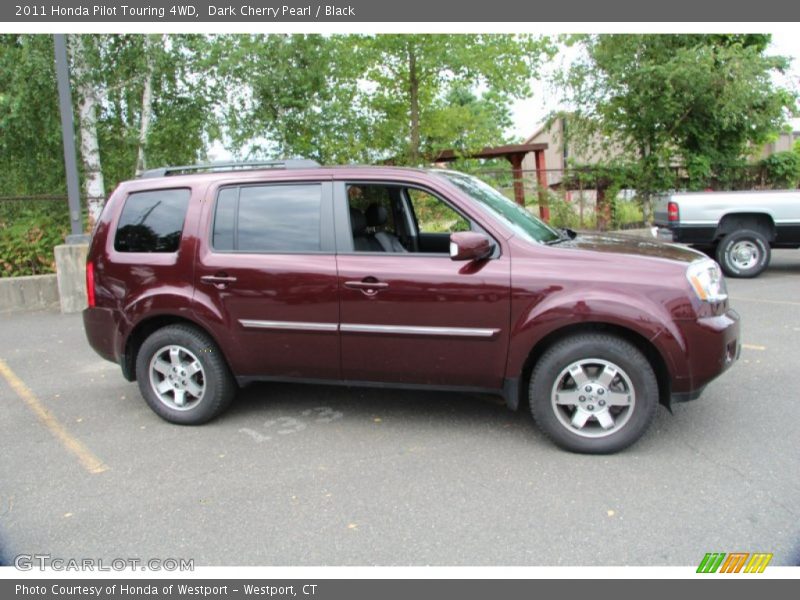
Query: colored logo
[{"x": 734, "y": 562}]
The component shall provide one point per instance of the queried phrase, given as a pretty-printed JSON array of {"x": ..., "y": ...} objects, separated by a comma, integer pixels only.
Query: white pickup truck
[{"x": 738, "y": 229}]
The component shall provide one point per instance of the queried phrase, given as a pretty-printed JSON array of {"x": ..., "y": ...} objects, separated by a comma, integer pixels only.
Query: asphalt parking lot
[{"x": 313, "y": 475}]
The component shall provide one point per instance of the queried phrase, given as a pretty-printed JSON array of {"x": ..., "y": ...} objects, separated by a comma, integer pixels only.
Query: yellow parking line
[
  {"x": 87, "y": 459},
  {"x": 753, "y": 347}
]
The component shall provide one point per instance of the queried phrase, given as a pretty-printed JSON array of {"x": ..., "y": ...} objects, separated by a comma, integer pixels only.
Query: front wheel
[
  {"x": 182, "y": 375},
  {"x": 743, "y": 253},
  {"x": 593, "y": 393}
]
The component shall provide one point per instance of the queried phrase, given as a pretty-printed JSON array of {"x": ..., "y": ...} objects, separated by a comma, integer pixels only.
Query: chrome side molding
[
  {"x": 419, "y": 330},
  {"x": 288, "y": 325},
  {"x": 462, "y": 332}
]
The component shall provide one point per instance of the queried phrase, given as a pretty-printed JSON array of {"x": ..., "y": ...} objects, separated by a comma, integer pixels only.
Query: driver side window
[
  {"x": 372, "y": 218},
  {"x": 399, "y": 219},
  {"x": 433, "y": 215}
]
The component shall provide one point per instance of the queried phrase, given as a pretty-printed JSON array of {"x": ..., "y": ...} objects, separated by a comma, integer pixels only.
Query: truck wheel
[
  {"x": 593, "y": 393},
  {"x": 743, "y": 253},
  {"x": 183, "y": 376}
]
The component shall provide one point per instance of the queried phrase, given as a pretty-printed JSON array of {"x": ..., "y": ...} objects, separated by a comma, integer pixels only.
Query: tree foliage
[
  {"x": 290, "y": 95},
  {"x": 782, "y": 169},
  {"x": 395, "y": 98},
  {"x": 701, "y": 102},
  {"x": 30, "y": 127},
  {"x": 182, "y": 122},
  {"x": 183, "y": 116}
]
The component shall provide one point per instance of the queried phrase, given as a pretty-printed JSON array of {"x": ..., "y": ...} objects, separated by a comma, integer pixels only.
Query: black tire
[
  {"x": 634, "y": 373},
  {"x": 212, "y": 383},
  {"x": 735, "y": 245}
]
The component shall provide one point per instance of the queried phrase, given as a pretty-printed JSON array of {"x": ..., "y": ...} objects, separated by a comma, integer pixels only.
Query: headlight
[{"x": 706, "y": 280}]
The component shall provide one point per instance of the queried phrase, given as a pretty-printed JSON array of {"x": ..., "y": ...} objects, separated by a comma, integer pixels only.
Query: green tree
[
  {"x": 30, "y": 126},
  {"x": 655, "y": 101},
  {"x": 291, "y": 95},
  {"x": 159, "y": 102},
  {"x": 398, "y": 98},
  {"x": 420, "y": 82},
  {"x": 115, "y": 69}
]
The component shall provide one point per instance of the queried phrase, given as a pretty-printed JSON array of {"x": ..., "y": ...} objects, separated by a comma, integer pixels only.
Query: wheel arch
[
  {"x": 144, "y": 328},
  {"x": 650, "y": 351},
  {"x": 735, "y": 221}
]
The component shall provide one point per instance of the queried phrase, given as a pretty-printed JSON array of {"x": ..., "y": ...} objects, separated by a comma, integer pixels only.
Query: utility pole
[{"x": 68, "y": 137}]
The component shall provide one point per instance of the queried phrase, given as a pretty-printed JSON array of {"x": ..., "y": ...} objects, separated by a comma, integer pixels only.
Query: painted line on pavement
[
  {"x": 753, "y": 347},
  {"x": 86, "y": 457}
]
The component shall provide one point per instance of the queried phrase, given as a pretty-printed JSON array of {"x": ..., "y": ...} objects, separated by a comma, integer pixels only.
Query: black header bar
[{"x": 363, "y": 11}]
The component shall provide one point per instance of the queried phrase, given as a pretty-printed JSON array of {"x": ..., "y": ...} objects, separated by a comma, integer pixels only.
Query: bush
[
  {"x": 782, "y": 169},
  {"x": 28, "y": 233},
  {"x": 562, "y": 213},
  {"x": 627, "y": 213}
]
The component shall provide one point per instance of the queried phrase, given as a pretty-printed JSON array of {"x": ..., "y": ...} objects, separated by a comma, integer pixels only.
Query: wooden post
[
  {"x": 541, "y": 179},
  {"x": 602, "y": 209},
  {"x": 516, "y": 174}
]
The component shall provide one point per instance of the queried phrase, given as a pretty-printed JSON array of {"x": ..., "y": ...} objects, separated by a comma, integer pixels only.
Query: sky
[{"x": 529, "y": 113}]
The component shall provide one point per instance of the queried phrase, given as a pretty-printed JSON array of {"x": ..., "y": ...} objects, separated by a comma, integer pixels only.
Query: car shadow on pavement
[
  {"x": 461, "y": 412},
  {"x": 262, "y": 398},
  {"x": 264, "y": 401}
]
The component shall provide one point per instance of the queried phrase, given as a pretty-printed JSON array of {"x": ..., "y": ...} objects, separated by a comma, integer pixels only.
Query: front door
[{"x": 412, "y": 316}]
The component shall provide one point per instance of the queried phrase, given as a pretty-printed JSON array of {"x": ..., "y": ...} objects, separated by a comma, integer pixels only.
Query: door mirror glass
[{"x": 470, "y": 245}]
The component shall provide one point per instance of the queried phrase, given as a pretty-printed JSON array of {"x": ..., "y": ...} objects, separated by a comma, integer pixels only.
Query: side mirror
[{"x": 470, "y": 245}]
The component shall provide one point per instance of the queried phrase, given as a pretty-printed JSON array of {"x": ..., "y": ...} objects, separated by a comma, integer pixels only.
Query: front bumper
[{"x": 712, "y": 346}]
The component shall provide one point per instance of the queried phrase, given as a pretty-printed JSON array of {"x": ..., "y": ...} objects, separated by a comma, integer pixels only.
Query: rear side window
[
  {"x": 152, "y": 221},
  {"x": 268, "y": 218}
]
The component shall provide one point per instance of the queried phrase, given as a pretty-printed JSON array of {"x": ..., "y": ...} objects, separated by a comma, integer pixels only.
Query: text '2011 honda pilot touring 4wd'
[{"x": 204, "y": 278}]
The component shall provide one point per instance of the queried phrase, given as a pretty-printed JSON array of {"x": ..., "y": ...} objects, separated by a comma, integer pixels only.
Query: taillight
[
  {"x": 90, "y": 284},
  {"x": 672, "y": 211}
]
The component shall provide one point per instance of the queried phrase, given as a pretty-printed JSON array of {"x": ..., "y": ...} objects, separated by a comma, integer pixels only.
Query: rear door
[
  {"x": 266, "y": 278},
  {"x": 416, "y": 316}
]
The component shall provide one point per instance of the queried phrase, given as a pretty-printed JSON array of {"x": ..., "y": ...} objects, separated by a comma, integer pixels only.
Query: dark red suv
[{"x": 204, "y": 278}]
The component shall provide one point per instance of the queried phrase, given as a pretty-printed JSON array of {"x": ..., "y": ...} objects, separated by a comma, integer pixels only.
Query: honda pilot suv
[{"x": 202, "y": 279}]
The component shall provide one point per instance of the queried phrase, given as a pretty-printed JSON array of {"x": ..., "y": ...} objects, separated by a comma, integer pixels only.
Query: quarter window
[
  {"x": 268, "y": 218},
  {"x": 152, "y": 221}
]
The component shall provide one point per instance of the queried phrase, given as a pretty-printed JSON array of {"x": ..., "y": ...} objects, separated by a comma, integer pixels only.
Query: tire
[
  {"x": 183, "y": 375},
  {"x": 743, "y": 254},
  {"x": 616, "y": 405}
]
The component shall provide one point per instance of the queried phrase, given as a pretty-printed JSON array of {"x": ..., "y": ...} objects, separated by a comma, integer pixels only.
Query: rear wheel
[
  {"x": 593, "y": 393},
  {"x": 183, "y": 376},
  {"x": 744, "y": 253}
]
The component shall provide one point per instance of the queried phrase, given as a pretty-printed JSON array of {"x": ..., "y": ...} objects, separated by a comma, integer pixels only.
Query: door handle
[
  {"x": 218, "y": 281},
  {"x": 369, "y": 286}
]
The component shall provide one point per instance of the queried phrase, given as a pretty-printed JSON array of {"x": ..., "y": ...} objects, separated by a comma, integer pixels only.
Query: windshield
[{"x": 515, "y": 216}]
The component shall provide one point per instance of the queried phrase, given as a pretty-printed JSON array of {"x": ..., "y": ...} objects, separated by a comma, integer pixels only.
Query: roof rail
[{"x": 291, "y": 163}]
